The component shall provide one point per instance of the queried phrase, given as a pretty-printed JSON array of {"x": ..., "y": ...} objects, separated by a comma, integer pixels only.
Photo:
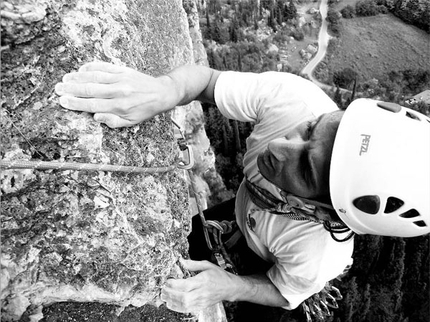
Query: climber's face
[{"x": 299, "y": 162}]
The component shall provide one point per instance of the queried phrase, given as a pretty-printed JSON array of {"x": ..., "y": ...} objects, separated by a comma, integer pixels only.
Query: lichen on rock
[{"x": 75, "y": 235}]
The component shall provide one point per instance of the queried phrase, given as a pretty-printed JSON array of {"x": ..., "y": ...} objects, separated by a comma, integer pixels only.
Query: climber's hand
[
  {"x": 118, "y": 96},
  {"x": 193, "y": 294}
]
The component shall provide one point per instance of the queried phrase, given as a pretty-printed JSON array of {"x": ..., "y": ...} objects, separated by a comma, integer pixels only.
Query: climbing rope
[
  {"x": 53, "y": 165},
  {"x": 56, "y": 165}
]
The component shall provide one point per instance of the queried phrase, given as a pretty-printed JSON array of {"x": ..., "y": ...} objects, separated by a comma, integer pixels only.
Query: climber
[{"x": 314, "y": 175}]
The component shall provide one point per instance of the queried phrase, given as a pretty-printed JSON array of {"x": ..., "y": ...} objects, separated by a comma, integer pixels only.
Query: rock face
[{"x": 75, "y": 235}]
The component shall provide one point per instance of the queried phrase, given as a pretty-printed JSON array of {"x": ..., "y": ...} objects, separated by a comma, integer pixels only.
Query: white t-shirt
[{"x": 305, "y": 256}]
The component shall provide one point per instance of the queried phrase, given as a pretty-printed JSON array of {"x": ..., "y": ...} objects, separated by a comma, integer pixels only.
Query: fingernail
[
  {"x": 98, "y": 118},
  {"x": 64, "y": 102},
  {"x": 184, "y": 261},
  {"x": 59, "y": 88},
  {"x": 66, "y": 78}
]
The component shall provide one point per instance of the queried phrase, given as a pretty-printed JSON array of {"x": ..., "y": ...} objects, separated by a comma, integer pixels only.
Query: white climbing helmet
[{"x": 380, "y": 170}]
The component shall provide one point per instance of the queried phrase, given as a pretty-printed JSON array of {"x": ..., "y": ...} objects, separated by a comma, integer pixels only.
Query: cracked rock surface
[{"x": 80, "y": 245}]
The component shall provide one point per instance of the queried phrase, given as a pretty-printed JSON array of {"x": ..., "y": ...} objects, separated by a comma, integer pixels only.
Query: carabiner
[{"x": 187, "y": 162}]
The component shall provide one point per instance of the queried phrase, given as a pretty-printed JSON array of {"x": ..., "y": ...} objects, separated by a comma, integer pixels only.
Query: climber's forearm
[
  {"x": 191, "y": 82},
  {"x": 212, "y": 284},
  {"x": 258, "y": 289}
]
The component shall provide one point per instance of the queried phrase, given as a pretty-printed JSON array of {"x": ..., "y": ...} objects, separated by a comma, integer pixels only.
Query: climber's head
[
  {"x": 380, "y": 170},
  {"x": 372, "y": 162},
  {"x": 300, "y": 162}
]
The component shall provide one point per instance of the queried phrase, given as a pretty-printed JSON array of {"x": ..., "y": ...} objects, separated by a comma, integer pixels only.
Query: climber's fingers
[
  {"x": 97, "y": 77},
  {"x": 112, "y": 120},
  {"x": 92, "y": 105},
  {"x": 195, "y": 266},
  {"x": 104, "y": 67},
  {"x": 92, "y": 90}
]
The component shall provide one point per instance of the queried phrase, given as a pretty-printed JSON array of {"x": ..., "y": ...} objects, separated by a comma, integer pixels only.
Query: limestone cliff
[{"x": 98, "y": 237}]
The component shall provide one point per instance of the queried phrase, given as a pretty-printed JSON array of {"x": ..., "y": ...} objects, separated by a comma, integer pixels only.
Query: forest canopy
[{"x": 389, "y": 280}]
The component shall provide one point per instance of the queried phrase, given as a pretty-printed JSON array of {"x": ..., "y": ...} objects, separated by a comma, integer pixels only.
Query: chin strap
[{"x": 292, "y": 207}]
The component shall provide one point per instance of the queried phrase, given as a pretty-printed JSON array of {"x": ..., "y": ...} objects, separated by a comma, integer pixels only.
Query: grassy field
[{"x": 374, "y": 46}]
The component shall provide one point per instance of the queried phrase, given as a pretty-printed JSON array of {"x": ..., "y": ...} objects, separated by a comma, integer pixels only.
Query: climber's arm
[
  {"x": 193, "y": 83},
  {"x": 120, "y": 96},
  {"x": 213, "y": 285}
]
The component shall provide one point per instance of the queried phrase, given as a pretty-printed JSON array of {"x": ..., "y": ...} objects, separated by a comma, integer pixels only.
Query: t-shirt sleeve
[
  {"x": 294, "y": 289},
  {"x": 299, "y": 272},
  {"x": 239, "y": 96},
  {"x": 248, "y": 97}
]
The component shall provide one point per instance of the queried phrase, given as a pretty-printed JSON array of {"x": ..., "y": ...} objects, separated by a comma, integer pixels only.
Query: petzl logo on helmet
[{"x": 364, "y": 143}]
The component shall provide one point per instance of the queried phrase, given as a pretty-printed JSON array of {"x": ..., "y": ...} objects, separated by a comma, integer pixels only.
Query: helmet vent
[
  {"x": 412, "y": 116},
  {"x": 420, "y": 223},
  {"x": 410, "y": 214},
  {"x": 367, "y": 204},
  {"x": 393, "y": 204}
]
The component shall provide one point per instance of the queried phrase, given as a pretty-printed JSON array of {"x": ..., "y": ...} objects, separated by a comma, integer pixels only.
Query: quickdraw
[
  {"x": 212, "y": 229},
  {"x": 317, "y": 307}
]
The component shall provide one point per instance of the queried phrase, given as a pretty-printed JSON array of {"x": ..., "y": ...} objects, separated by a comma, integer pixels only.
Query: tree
[
  {"x": 367, "y": 8},
  {"x": 366, "y": 304},
  {"x": 351, "y": 98},
  {"x": 290, "y": 11},
  {"x": 218, "y": 31},
  {"x": 333, "y": 18},
  {"x": 237, "y": 144},
  {"x": 272, "y": 20},
  {"x": 415, "y": 12},
  {"x": 348, "y": 12},
  {"x": 338, "y": 98},
  {"x": 344, "y": 77},
  {"x": 352, "y": 299},
  {"x": 298, "y": 34},
  {"x": 279, "y": 11}
]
